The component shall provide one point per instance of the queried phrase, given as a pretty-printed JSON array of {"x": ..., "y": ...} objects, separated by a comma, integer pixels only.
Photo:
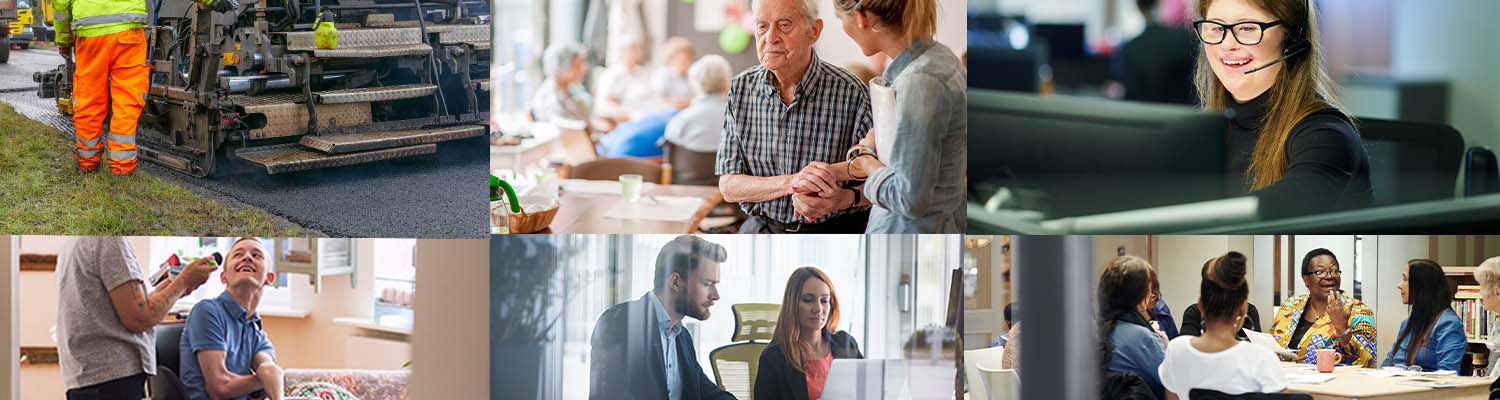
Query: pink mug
[{"x": 1327, "y": 359}]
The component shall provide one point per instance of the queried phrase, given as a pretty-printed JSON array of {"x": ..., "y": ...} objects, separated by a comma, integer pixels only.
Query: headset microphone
[{"x": 1295, "y": 49}]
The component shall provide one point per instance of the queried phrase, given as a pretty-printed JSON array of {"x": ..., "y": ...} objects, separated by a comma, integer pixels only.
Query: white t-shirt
[{"x": 1244, "y": 368}]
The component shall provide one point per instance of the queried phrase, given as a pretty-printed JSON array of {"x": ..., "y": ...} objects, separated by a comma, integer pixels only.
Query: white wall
[
  {"x": 836, "y": 47},
  {"x": 450, "y": 342},
  {"x": 1454, "y": 39},
  {"x": 1180, "y": 261},
  {"x": 1394, "y": 251}
]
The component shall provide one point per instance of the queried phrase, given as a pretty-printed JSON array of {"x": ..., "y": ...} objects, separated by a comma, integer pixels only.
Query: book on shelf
[{"x": 1471, "y": 312}]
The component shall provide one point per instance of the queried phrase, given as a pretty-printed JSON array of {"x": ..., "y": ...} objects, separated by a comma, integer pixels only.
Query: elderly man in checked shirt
[{"x": 788, "y": 119}]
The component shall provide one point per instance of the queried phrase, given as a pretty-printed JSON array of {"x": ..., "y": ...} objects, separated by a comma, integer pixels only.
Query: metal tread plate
[
  {"x": 374, "y": 51},
  {"x": 292, "y": 157},
  {"x": 370, "y": 37},
  {"x": 354, "y": 142},
  {"x": 290, "y": 118},
  {"x": 379, "y": 93}
]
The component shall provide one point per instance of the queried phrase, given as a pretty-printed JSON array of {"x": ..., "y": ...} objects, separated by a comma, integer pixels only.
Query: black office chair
[
  {"x": 1411, "y": 161},
  {"x": 166, "y": 384},
  {"x": 1205, "y": 394},
  {"x": 1481, "y": 172}
]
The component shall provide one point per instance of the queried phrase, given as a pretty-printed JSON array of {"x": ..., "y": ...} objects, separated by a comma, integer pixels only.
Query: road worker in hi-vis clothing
[{"x": 106, "y": 41}]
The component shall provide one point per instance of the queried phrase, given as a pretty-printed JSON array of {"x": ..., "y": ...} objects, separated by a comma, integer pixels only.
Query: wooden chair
[
  {"x": 689, "y": 167},
  {"x": 610, "y": 169}
]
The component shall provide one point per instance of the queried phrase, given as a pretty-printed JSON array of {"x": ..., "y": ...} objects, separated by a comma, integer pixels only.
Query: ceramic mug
[{"x": 1327, "y": 359}]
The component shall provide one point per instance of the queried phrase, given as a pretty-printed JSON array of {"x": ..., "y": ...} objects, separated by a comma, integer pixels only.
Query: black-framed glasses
[
  {"x": 1248, "y": 33},
  {"x": 1324, "y": 273}
]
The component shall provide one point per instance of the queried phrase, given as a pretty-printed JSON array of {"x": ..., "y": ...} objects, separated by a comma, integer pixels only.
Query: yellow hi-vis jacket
[{"x": 90, "y": 18}]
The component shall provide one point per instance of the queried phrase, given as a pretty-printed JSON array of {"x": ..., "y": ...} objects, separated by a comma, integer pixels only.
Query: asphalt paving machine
[{"x": 254, "y": 88}]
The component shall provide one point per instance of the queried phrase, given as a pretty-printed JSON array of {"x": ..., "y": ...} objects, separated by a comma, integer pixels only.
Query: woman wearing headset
[{"x": 1289, "y": 143}]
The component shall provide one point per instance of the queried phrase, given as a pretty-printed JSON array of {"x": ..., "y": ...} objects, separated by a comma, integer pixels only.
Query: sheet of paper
[
  {"x": 1310, "y": 379},
  {"x": 1265, "y": 339},
  {"x": 657, "y": 208},
  {"x": 883, "y": 105},
  {"x": 583, "y": 186}
]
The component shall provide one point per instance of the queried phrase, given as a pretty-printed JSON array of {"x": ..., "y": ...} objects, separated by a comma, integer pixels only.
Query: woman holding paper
[
  {"x": 1432, "y": 337},
  {"x": 1218, "y": 360},
  {"x": 913, "y": 172},
  {"x": 1325, "y": 318}
]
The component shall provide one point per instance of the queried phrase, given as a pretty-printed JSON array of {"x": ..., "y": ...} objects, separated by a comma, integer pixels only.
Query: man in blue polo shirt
[{"x": 225, "y": 353}]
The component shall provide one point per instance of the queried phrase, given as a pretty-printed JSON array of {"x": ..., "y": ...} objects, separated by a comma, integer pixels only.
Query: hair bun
[{"x": 1229, "y": 271}]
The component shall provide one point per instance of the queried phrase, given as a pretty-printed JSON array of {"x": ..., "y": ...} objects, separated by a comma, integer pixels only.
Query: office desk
[
  {"x": 919, "y": 379},
  {"x": 1352, "y": 383},
  {"x": 1473, "y": 214}
]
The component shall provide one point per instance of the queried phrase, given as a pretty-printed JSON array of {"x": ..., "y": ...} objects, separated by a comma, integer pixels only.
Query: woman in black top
[
  {"x": 1289, "y": 142},
  {"x": 805, "y": 343}
]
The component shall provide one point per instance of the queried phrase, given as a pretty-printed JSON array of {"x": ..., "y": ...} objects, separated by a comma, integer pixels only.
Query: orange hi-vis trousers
[{"x": 110, "y": 77}]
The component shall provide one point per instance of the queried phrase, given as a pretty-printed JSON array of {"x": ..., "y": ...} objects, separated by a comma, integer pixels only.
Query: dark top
[
  {"x": 1158, "y": 65},
  {"x": 1163, "y": 317},
  {"x": 775, "y": 379},
  {"x": 1327, "y": 167},
  {"x": 627, "y": 358},
  {"x": 1302, "y": 326},
  {"x": 1192, "y": 322}
]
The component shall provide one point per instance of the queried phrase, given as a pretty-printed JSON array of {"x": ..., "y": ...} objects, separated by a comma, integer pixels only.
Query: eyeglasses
[
  {"x": 1248, "y": 33},
  {"x": 1325, "y": 273}
]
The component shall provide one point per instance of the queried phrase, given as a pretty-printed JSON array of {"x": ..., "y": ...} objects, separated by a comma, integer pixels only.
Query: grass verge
[{"x": 42, "y": 193}]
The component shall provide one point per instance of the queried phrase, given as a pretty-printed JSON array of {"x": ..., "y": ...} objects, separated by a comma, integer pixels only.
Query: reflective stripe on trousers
[{"x": 109, "y": 78}]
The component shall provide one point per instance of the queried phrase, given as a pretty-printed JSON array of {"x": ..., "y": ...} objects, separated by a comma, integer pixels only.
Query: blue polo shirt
[{"x": 220, "y": 324}]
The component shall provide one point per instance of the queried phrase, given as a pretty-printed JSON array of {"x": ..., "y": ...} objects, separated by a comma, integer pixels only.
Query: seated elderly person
[
  {"x": 225, "y": 352},
  {"x": 788, "y": 119},
  {"x": 624, "y": 87},
  {"x": 701, "y": 125},
  {"x": 562, "y": 96},
  {"x": 671, "y": 79}
]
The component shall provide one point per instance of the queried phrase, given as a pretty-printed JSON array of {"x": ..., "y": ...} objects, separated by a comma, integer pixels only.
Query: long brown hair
[
  {"x": 1302, "y": 88},
  {"x": 1126, "y": 282},
  {"x": 912, "y": 19},
  {"x": 788, "y": 334}
]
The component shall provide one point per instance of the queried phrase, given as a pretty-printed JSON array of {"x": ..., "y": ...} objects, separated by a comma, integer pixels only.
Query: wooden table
[
  {"x": 585, "y": 212},
  {"x": 1352, "y": 383}
]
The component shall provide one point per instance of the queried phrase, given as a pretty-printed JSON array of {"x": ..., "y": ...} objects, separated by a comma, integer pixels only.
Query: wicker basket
[{"x": 532, "y": 222}]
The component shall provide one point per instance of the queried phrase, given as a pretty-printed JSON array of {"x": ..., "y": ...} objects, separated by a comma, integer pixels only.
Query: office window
[{"x": 395, "y": 281}]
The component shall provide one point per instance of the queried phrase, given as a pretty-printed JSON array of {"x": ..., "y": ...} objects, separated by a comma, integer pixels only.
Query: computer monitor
[
  {"x": 1068, "y": 156},
  {"x": 1016, "y": 70},
  {"x": 1065, "y": 41}
]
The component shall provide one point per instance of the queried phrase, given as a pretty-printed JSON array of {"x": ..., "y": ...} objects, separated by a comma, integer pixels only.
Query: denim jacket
[{"x": 921, "y": 189}]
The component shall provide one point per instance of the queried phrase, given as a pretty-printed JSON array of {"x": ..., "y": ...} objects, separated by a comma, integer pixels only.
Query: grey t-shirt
[{"x": 93, "y": 345}]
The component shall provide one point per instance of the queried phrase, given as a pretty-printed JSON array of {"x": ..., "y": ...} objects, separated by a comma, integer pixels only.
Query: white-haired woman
[
  {"x": 1488, "y": 275},
  {"x": 701, "y": 126},
  {"x": 562, "y": 96}
]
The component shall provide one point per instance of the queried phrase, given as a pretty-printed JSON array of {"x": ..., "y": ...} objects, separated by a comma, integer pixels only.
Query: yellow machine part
[
  {"x": 65, "y": 105},
  {"x": 23, "y": 19},
  {"x": 45, "y": 6}
]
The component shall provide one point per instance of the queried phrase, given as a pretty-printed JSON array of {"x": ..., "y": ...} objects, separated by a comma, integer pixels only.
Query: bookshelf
[{"x": 1476, "y": 319}]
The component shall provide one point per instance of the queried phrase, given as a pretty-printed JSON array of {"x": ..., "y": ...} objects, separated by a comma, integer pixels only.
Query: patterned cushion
[
  {"x": 320, "y": 391},
  {"x": 365, "y": 384}
]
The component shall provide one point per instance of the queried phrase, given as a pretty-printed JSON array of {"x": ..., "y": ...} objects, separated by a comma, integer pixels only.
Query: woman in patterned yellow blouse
[{"x": 1325, "y": 318}]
